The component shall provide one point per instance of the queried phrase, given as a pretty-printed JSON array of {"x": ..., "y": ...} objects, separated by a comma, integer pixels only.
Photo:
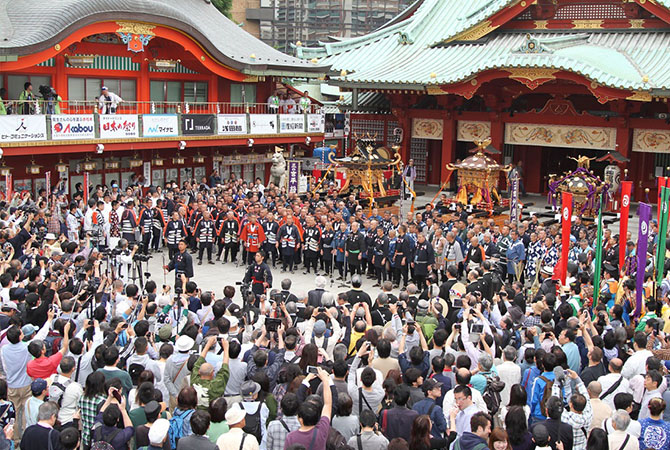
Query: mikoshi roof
[
  {"x": 428, "y": 46},
  {"x": 30, "y": 26}
]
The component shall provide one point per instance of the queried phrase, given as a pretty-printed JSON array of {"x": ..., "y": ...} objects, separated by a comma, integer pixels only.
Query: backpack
[
  {"x": 492, "y": 393},
  {"x": 546, "y": 394},
  {"x": 176, "y": 430},
  {"x": 100, "y": 442}
]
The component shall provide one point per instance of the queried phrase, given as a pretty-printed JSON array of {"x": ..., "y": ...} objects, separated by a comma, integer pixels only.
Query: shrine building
[
  {"x": 194, "y": 89},
  {"x": 544, "y": 79}
]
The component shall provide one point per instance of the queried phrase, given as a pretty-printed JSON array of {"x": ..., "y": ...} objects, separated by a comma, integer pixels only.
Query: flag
[
  {"x": 47, "y": 182},
  {"x": 642, "y": 239},
  {"x": 566, "y": 221},
  {"x": 662, "y": 230},
  {"x": 661, "y": 181},
  {"x": 85, "y": 188},
  {"x": 9, "y": 187},
  {"x": 626, "y": 187},
  {"x": 599, "y": 253}
]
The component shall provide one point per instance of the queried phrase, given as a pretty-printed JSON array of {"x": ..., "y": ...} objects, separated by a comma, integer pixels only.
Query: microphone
[{"x": 559, "y": 374}]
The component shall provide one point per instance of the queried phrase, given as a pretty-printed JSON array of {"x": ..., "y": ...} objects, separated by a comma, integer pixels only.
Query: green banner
[
  {"x": 599, "y": 254},
  {"x": 662, "y": 233}
]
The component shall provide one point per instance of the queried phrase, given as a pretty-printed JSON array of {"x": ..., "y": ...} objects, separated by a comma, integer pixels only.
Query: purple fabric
[{"x": 642, "y": 239}]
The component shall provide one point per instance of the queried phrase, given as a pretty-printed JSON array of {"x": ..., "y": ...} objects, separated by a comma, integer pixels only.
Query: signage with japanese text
[
  {"x": 119, "y": 126},
  {"x": 292, "y": 123},
  {"x": 160, "y": 125},
  {"x": 72, "y": 126},
  {"x": 22, "y": 128},
  {"x": 231, "y": 124},
  {"x": 197, "y": 124},
  {"x": 316, "y": 123}
]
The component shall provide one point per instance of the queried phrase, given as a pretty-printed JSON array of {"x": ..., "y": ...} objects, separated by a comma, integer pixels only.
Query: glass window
[
  {"x": 15, "y": 85},
  {"x": 157, "y": 91},
  {"x": 93, "y": 86},
  {"x": 242, "y": 93},
  {"x": 173, "y": 91},
  {"x": 76, "y": 89},
  {"x": 128, "y": 90},
  {"x": 195, "y": 92}
]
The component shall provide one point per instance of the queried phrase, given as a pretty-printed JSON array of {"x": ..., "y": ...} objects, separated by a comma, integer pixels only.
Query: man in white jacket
[{"x": 108, "y": 101}]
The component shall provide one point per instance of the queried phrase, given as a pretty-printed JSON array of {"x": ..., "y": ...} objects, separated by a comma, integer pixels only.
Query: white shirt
[
  {"x": 510, "y": 374},
  {"x": 448, "y": 404},
  {"x": 636, "y": 364},
  {"x": 617, "y": 438},
  {"x": 233, "y": 438},
  {"x": 644, "y": 405},
  {"x": 69, "y": 404},
  {"x": 607, "y": 381},
  {"x": 634, "y": 428}
]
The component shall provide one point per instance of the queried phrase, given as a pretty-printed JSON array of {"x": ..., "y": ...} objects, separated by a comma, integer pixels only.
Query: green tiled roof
[{"x": 406, "y": 53}]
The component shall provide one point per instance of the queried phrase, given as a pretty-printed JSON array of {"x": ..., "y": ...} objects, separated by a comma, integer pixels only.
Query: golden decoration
[
  {"x": 136, "y": 28},
  {"x": 251, "y": 79},
  {"x": 298, "y": 44},
  {"x": 343, "y": 73},
  {"x": 252, "y": 56},
  {"x": 474, "y": 33},
  {"x": 636, "y": 23},
  {"x": 202, "y": 58},
  {"x": 523, "y": 3},
  {"x": 640, "y": 96},
  {"x": 531, "y": 76},
  {"x": 645, "y": 79},
  {"x": 594, "y": 85},
  {"x": 473, "y": 82},
  {"x": 435, "y": 90},
  {"x": 588, "y": 24},
  {"x": 315, "y": 60},
  {"x": 57, "y": 47},
  {"x": 433, "y": 75},
  {"x": 541, "y": 24}
]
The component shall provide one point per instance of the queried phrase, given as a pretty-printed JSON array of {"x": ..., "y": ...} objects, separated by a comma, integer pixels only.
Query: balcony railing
[{"x": 41, "y": 106}]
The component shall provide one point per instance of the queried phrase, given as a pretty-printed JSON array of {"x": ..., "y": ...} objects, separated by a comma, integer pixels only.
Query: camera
[
  {"x": 141, "y": 257},
  {"x": 312, "y": 369},
  {"x": 322, "y": 309},
  {"x": 410, "y": 327},
  {"x": 271, "y": 325},
  {"x": 28, "y": 209},
  {"x": 476, "y": 328}
]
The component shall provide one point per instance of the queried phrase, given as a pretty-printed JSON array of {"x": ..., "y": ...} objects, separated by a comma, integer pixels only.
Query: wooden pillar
[
  {"x": 144, "y": 89},
  {"x": 448, "y": 146},
  {"x": 60, "y": 80}
]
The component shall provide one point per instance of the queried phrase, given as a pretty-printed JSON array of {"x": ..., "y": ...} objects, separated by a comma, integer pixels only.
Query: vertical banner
[
  {"x": 566, "y": 222},
  {"x": 293, "y": 176},
  {"x": 626, "y": 187},
  {"x": 47, "y": 186},
  {"x": 642, "y": 242},
  {"x": 599, "y": 254},
  {"x": 9, "y": 187},
  {"x": 514, "y": 198},
  {"x": 85, "y": 188},
  {"x": 662, "y": 233},
  {"x": 661, "y": 182}
]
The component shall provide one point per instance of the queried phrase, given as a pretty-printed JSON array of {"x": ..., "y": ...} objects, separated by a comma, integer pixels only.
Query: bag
[
  {"x": 253, "y": 423},
  {"x": 60, "y": 387},
  {"x": 176, "y": 430},
  {"x": 492, "y": 393},
  {"x": 546, "y": 394},
  {"x": 101, "y": 442}
]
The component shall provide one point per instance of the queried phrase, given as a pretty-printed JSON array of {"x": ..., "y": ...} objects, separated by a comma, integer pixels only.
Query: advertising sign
[
  {"x": 263, "y": 123},
  {"x": 231, "y": 124},
  {"x": 292, "y": 123},
  {"x": 160, "y": 125},
  {"x": 114, "y": 126},
  {"x": 22, "y": 128},
  {"x": 197, "y": 124},
  {"x": 316, "y": 123},
  {"x": 72, "y": 126}
]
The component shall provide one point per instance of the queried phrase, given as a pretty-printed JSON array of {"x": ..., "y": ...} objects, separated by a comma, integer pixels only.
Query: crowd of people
[{"x": 451, "y": 331}]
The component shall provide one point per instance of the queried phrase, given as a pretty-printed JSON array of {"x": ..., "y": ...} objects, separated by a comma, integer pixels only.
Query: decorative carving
[
  {"x": 532, "y": 77},
  {"x": 569, "y": 136},
  {"x": 541, "y": 24},
  {"x": 588, "y": 24},
  {"x": 428, "y": 128},
  {"x": 559, "y": 107},
  {"x": 640, "y": 96},
  {"x": 135, "y": 35},
  {"x": 532, "y": 45},
  {"x": 648, "y": 140},
  {"x": 476, "y": 32},
  {"x": 470, "y": 131},
  {"x": 636, "y": 23}
]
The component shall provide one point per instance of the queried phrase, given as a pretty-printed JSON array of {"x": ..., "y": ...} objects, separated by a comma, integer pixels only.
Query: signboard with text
[
  {"x": 231, "y": 124},
  {"x": 22, "y": 128},
  {"x": 263, "y": 123},
  {"x": 113, "y": 126},
  {"x": 197, "y": 124},
  {"x": 316, "y": 123},
  {"x": 160, "y": 125},
  {"x": 72, "y": 126},
  {"x": 292, "y": 123}
]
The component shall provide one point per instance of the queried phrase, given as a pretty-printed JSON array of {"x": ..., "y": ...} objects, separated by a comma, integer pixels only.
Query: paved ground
[{"x": 215, "y": 277}]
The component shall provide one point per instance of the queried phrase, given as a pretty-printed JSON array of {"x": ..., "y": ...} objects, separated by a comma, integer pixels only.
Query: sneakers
[{"x": 200, "y": 263}]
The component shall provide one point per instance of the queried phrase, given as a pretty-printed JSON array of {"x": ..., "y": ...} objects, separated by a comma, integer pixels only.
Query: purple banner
[
  {"x": 642, "y": 240},
  {"x": 293, "y": 176}
]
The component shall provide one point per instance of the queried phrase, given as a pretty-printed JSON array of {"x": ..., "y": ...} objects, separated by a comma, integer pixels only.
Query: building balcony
[{"x": 77, "y": 122}]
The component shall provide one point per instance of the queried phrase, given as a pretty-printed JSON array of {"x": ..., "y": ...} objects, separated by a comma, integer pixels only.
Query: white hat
[
  {"x": 234, "y": 321},
  {"x": 235, "y": 414},
  {"x": 184, "y": 344},
  {"x": 547, "y": 270},
  {"x": 50, "y": 237},
  {"x": 158, "y": 431}
]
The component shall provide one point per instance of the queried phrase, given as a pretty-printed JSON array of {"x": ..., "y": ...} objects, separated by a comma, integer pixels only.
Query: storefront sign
[
  {"x": 114, "y": 126},
  {"x": 197, "y": 124},
  {"x": 571, "y": 136},
  {"x": 648, "y": 140},
  {"x": 72, "y": 126},
  {"x": 263, "y": 123},
  {"x": 316, "y": 123},
  {"x": 427, "y": 128},
  {"x": 231, "y": 124},
  {"x": 159, "y": 125},
  {"x": 293, "y": 176},
  {"x": 292, "y": 123},
  {"x": 470, "y": 131},
  {"x": 23, "y": 128}
]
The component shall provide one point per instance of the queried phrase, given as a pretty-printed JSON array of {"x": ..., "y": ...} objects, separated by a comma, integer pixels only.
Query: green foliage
[{"x": 223, "y": 6}]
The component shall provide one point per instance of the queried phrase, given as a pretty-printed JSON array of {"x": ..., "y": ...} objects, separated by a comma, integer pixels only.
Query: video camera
[{"x": 47, "y": 92}]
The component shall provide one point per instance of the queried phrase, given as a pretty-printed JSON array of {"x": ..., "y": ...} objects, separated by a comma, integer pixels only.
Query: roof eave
[{"x": 375, "y": 86}]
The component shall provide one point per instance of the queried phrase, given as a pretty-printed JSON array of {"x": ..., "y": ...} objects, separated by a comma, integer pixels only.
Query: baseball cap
[
  {"x": 38, "y": 386},
  {"x": 104, "y": 88},
  {"x": 249, "y": 389},
  {"x": 319, "y": 327},
  {"x": 431, "y": 384},
  {"x": 28, "y": 330},
  {"x": 165, "y": 332}
]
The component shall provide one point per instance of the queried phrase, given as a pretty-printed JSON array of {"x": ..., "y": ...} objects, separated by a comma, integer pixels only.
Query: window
[
  {"x": 15, "y": 84},
  {"x": 88, "y": 89},
  {"x": 195, "y": 92},
  {"x": 242, "y": 93},
  {"x": 166, "y": 91}
]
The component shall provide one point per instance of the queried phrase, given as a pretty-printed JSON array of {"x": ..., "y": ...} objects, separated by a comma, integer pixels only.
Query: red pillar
[
  {"x": 448, "y": 146},
  {"x": 143, "y": 88}
]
